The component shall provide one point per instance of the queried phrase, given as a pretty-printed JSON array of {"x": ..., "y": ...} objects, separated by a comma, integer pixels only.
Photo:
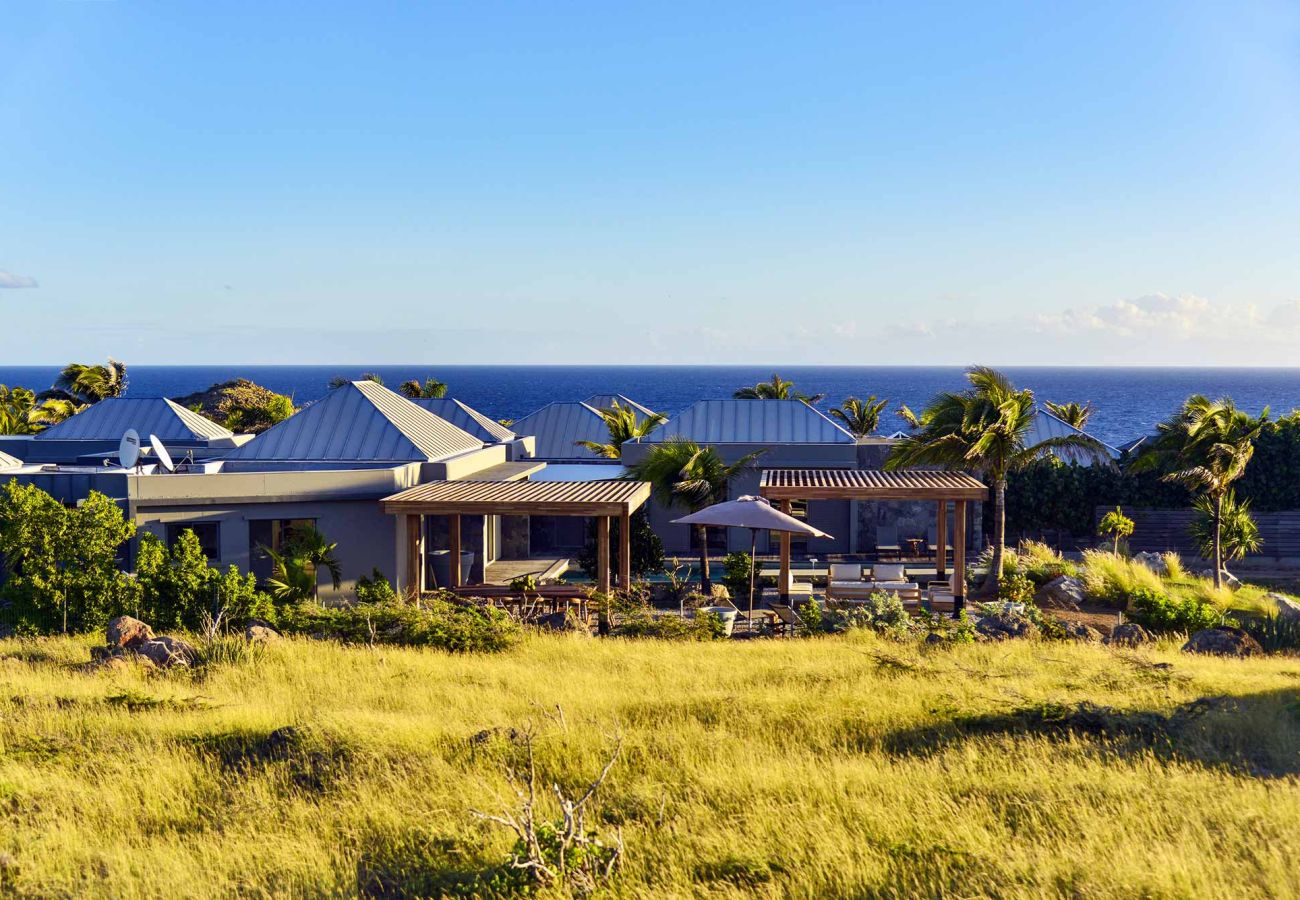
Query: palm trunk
[
  {"x": 994, "y": 576},
  {"x": 706, "y": 584},
  {"x": 1218, "y": 541}
]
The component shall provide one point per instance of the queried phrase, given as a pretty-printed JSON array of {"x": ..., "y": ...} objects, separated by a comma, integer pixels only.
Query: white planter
[{"x": 726, "y": 614}]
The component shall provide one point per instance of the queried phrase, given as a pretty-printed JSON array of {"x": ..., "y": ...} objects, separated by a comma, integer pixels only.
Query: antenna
[
  {"x": 160, "y": 451},
  {"x": 128, "y": 449}
]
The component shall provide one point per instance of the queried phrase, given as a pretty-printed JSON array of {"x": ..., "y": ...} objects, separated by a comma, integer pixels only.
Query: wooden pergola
[
  {"x": 784, "y": 486},
  {"x": 601, "y": 500}
]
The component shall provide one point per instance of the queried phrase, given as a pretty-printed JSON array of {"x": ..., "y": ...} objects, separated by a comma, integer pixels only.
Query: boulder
[
  {"x": 561, "y": 621},
  {"x": 1287, "y": 608},
  {"x": 1065, "y": 592},
  {"x": 166, "y": 652},
  {"x": 1153, "y": 561},
  {"x": 1001, "y": 626},
  {"x": 1223, "y": 641},
  {"x": 125, "y": 631},
  {"x": 259, "y": 632},
  {"x": 1130, "y": 634},
  {"x": 1079, "y": 631}
]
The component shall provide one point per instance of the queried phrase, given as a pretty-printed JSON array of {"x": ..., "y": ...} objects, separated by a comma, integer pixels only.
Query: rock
[
  {"x": 1079, "y": 631},
  {"x": 166, "y": 652},
  {"x": 1130, "y": 634},
  {"x": 1153, "y": 561},
  {"x": 1002, "y": 626},
  {"x": 1287, "y": 608},
  {"x": 1065, "y": 592},
  {"x": 259, "y": 632},
  {"x": 560, "y": 621},
  {"x": 1223, "y": 641},
  {"x": 935, "y": 638},
  {"x": 125, "y": 631},
  {"x": 108, "y": 664}
]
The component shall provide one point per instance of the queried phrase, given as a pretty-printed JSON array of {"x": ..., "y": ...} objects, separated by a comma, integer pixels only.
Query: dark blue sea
[{"x": 1128, "y": 401}]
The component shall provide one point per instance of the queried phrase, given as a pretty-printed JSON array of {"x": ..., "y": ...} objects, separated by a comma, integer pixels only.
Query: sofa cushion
[
  {"x": 846, "y": 572},
  {"x": 887, "y": 572}
]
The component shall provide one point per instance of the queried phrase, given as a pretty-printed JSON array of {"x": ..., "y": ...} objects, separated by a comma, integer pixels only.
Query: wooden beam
[
  {"x": 602, "y": 554},
  {"x": 941, "y": 539},
  {"x": 453, "y": 545},
  {"x": 959, "y": 558},
  {"x": 851, "y": 493},
  {"x": 782, "y": 586},
  {"x": 414, "y": 580},
  {"x": 625, "y": 551}
]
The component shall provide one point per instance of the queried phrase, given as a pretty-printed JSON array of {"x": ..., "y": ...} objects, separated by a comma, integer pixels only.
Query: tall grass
[{"x": 843, "y": 766}]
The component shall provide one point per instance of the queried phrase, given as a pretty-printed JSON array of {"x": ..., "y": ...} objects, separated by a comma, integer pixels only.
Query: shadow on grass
[
  {"x": 311, "y": 759},
  {"x": 417, "y": 864},
  {"x": 1256, "y": 734}
]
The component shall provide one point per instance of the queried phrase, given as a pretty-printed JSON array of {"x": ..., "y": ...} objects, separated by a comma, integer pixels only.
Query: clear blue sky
[{"x": 809, "y": 183}]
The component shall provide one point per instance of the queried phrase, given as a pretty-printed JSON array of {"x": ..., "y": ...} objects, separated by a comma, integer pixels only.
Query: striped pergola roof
[
  {"x": 869, "y": 484},
  {"x": 538, "y": 498}
]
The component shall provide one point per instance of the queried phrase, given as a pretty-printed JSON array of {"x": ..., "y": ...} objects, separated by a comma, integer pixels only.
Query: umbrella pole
[{"x": 753, "y": 543}]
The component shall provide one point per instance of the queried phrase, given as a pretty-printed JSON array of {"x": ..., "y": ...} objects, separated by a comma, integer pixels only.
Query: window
[
  {"x": 272, "y": 533},
  {"x": 208, "y": 533}
]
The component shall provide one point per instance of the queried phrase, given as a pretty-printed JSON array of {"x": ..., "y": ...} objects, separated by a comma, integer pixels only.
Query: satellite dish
[
  {"x": 161, "y": 452},
  {"x": 128, "y": 449}
]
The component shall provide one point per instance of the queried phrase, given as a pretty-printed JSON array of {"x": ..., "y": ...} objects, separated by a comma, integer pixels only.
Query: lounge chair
[
  {"x": 787, "y": 620},
  {"x": 932, "y": 540},
  {"x": 887, "y": 541},
  {"x": 938, "y": 594}
]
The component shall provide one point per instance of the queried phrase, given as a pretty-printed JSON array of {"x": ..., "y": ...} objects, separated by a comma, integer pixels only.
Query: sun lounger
[
  {"x": 787, "y": 620},
  {"x": 887, "y": 541},
  {"x": 932, "y": 540}
]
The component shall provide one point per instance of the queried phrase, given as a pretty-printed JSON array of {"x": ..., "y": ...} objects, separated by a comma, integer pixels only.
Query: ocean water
[{"x": 1128, "y": 401}]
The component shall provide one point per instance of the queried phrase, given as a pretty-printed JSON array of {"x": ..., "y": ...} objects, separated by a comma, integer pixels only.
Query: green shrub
[
  {"x": 638, "y": 620},
  {"x": 960, "y": 630},
  {"x": 882, "y": 611},
  {"x": 1016, "y": 588},
  {"x": 1157, "y": 611},
  {"x": 736, "y": 569},
  {"x": 438, "y": 622},
  {"x": 1274, "y": 633},
  {"x": 375, "y": 588},
  {"x": 1111, "y": 579}
]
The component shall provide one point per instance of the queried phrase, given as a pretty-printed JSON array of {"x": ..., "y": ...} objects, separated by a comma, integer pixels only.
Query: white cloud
[
  {"x": 10, "y": 280},
  {"x": 1184, "y": 316}
]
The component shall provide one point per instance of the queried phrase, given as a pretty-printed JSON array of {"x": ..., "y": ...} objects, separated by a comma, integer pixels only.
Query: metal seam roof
[
  {"x": 616, "y": 493},
  {"x": 753, "y": 422},
  {"x": 605, "y": 401},
  {"x": 359, "y": 421},
  {"x": 559, "y": 425},
  {"x": 7, "y": 461},
  {"x": 466, "y": 418},
  {"x": 109, "y": 419}
]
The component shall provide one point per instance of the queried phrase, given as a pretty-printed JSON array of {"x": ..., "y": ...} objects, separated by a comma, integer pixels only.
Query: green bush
[
  {"x": 638, "y": 620},
  {"x": 375, "y": 588},
  {"x": 882, "y": 611},
  {"x": 1016, "y": 588},
  {"x": 1160, "y": 612},
  {"x": 1274, "y": 633},
  {"x": 736, "y": 568},
  {"x": 442, "y": 623}
]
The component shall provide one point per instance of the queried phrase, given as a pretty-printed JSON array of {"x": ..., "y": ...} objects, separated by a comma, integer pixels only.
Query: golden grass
[{"x": 806, "y": 768}]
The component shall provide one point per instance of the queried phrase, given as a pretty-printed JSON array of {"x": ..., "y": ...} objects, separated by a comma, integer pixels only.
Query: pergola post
[
  {"x": 453, "y": 546},
  {"x": 941, "y": 541},
  {"x": 783, "y": 588},
  {"x": 602, "y": 554},
  {"x": 625, "y": 551},
  {"x": 414, "y": 576},
  {"x": 959, "y": 559}
]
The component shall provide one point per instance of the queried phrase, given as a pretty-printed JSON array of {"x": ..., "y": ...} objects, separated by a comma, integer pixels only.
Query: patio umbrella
[{"x": 754, "y": 513}]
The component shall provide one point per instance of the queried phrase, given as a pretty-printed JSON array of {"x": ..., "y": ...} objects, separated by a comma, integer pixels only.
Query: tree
[
  {"x": 80, "y": 385},
  {"x": 1238, "y": 532},
  {"x": 432, "y": 389},
  {"x": 62, "y": 562},
  {"x": 647, "y": 549},
  {"x": 179, "y": 588},
  {"x": 860, "y": 417},
  {"x": 624, "y": 425},
  {"x": 339, "y": 381},
  {"x": 1117, "y": 525},
  {"x": 910, "y": 419},
  {"x": 776, "y": 389},
  {"x": 1205, "y": 447},
  {"x": 1072, "y": 414},
  {"x": 18, "y": 411},
  {"x": 294, "y": 567},
  {"x": 684, "y": 474},
  {"x": 240, "y": 405},
  {"x": 983, "y": 430}
]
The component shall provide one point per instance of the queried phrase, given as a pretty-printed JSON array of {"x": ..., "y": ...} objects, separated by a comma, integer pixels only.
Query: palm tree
[
  {"x": 860, "y": 417},
  {"x": 776, "y": 389},
  {"x": 80, "y": 385},
  {"x": 684, "y": 474},
  {"x": 1073, "y": 414},
  {"x": 295, "y": 566},
  {"x": 1205, "y": 447},
  {"x": 983, "y": 430},
  {"x": 18, "y": 411},
  {"x": 432, "y": 389},
  {"x": 624, "y": 426},
  {"x": 1238, "y": 532},
  {"x": 910, "y": 419}
]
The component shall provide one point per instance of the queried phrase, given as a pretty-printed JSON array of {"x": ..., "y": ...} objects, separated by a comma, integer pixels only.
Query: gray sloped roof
[
  {"x": 360, "y": 421},
  {"x": 1046, "y": 426},
  {"x": 7, "y": 461},
  {"x": 752, "y": 422},
  {"x": 605, "y": 401},
  {"x": 557, "y": 426},
  {"x": 109, "y": 419},
  {"x": 466, "y": 418}
]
